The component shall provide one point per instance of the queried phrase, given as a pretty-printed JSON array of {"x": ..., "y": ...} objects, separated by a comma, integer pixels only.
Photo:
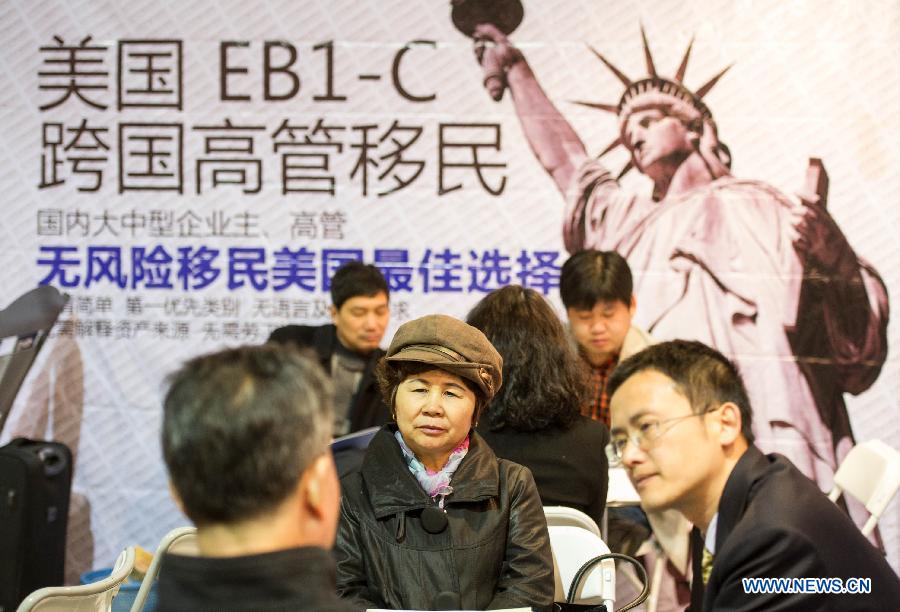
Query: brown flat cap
[{"x": 449, "y": 344}]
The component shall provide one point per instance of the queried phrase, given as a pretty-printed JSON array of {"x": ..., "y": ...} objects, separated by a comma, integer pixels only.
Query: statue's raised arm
[{"x": 552, "y": 139}]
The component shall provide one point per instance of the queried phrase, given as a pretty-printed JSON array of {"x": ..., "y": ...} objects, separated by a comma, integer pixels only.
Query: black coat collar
[
  {"x": 736, "y": 495},
  {"x": 738, "y": 491},
  {"x": 265, "y": 581},
  {"x": 325, "y": 342},
  {"x": 392, "y": 488}
]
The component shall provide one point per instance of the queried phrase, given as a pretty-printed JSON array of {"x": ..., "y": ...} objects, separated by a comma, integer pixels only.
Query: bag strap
[{"x": 589, "y": 565}]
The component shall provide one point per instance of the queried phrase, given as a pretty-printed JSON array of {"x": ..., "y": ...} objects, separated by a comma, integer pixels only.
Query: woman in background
[{"x": 535, "y": 418}]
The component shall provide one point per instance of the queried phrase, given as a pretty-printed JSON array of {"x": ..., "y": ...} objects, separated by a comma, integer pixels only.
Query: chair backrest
[
  {"x": 94, "y": 597},
  {"x": 574, "y": 540},
  {"x": 181, "y": 541},
  {"x": 561, "y": 515},
  {"x": 871, "y": 473}
]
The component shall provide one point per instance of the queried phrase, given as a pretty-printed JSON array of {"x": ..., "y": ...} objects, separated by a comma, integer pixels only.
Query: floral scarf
[{"x": 434, "y": 483}]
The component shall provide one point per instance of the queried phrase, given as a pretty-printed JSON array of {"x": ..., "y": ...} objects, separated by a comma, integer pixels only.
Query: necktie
[{"x": 706, "y": 563}]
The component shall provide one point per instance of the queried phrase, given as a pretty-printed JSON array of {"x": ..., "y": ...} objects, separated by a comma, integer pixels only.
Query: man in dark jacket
[
  {"x": 348, "y": 349},
  {"x": 245, "y": 438},
  {"x": 765, "y": 536}
]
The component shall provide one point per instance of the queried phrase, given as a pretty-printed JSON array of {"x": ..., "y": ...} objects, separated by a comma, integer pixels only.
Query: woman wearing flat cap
[{"x": 434, "y": 520}]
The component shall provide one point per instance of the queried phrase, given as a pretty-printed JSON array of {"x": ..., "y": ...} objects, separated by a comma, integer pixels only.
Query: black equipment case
[
  {"x": 35, "y": 476},
  {"x": 35, "y": 481}
]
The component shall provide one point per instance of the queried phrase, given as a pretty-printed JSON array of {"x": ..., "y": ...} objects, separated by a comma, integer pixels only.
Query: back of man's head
[
  {"x": 240, "y": 427},
  {"x": 355, "y": 278},
  {"x": 700, "y": 373},
  {"x": 593, "y": 276}
]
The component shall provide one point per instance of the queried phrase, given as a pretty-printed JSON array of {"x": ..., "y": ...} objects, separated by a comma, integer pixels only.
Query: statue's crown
[{"x": 655, "y": 91}]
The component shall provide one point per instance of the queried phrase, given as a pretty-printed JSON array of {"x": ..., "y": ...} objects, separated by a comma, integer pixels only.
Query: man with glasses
[
  {"x": 596, "y": 288},
  {"x": 681, "y": 426}
]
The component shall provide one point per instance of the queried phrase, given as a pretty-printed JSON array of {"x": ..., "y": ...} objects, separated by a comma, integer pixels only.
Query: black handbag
[{"x": 569, "y": 606}]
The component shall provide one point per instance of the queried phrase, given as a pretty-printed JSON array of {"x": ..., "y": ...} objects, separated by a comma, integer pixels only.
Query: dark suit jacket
[
  {"x": 367, "y": 408},
  {"x": 775, "y": 522},
  {"x": 569, "y": 466}
]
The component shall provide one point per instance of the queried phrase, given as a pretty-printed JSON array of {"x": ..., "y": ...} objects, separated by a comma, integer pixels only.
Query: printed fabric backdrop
[{"x": 191, "y": 173}]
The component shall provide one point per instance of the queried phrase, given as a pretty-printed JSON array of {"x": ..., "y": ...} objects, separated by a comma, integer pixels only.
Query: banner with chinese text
[{"x": 193, "y": 173}]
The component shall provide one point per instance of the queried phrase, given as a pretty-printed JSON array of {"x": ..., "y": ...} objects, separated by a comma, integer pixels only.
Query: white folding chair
[
  {"x": 94, "y": 597},
  {"x": 574, "y": 540},
  {"x": 871, "y": 473},
  {"x": 561, "y": 515},
  {"x": 181, "y": 541}
]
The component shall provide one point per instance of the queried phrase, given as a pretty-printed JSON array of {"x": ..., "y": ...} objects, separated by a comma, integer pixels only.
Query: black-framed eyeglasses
[{"x": 645, "y": 435}]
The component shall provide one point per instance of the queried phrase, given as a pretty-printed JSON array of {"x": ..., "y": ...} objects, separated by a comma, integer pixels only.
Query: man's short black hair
[
  {"x": 703, "y": 375},
  {"x": 239, "y": 428},
  {"x": 593, "y": 276},
  {"x": 355, "y": 278}
]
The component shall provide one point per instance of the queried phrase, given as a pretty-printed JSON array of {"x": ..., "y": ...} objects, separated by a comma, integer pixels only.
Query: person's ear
[
  {"x": 729, "y": 423},
  {"x": 313, "y": 492},
  {"x": 632, "y": 307},
  {"x": 314, "y": 484},
  {"x": 334, "y": 313}
]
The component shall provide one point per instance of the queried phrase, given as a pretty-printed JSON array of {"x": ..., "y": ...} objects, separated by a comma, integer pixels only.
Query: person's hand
[
  {"x": 816, "y": 237},
  {"x": 496, "y": 55}
]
